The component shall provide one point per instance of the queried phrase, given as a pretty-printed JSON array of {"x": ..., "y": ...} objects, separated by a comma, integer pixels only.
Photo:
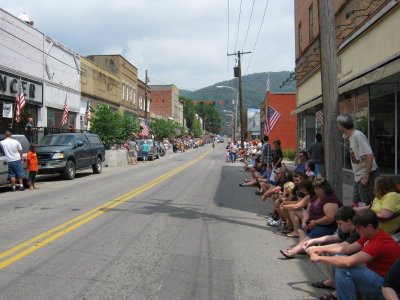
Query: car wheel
[
  {"x": 69, "y": 170},
  {"x": 97, "y": 167}
]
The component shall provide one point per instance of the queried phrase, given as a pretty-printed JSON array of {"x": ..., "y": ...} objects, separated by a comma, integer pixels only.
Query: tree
[
  {"x": 107, "y": 124},
  {"x": 196, "y": 130},
  {"x": 211, "y": 117},
  {"x": 162, "y": 129},
  {"x": 129, "y": 125},
  {"x": 188, "y": 111}
]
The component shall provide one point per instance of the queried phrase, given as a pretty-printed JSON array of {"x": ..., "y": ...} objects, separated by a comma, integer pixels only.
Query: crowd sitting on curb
[{"x": 358, "y": 244}]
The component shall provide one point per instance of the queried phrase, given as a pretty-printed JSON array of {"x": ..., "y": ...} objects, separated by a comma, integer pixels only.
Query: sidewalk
[{"x": 347, "y": 188}]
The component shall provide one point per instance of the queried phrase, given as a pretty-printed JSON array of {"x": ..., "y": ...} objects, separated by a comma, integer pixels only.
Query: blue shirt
[
  {"x": 145, "y": 148},
  {"x": 301, "y": 168},
  {"x": 266, "y": 149}
]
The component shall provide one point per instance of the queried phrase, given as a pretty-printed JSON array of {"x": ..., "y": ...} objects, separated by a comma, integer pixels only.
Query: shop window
[
  {"x": 354, "y": 103},
  {"x": 54, "y": 117},
  {"x": 382, "y": 126}
]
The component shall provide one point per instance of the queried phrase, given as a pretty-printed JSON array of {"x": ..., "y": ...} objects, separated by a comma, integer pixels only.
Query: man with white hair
[{"x": 362, "y": 161}]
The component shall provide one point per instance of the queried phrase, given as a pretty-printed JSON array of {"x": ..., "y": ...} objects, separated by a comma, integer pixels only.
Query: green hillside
[{"x": 253, "y": 89}]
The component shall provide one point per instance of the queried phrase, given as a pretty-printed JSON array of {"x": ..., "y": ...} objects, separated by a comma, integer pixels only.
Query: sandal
[
  {"x": 328, "y": 296},
  {"x": 286, "y": 253},
  {"x": 322, "y": 285}
]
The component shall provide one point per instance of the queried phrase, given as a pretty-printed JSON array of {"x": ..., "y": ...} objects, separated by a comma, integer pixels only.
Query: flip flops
[
  {"x": 286, "y": 253},
  {"x": 321, "y": 285},
  {"x": 328, "y": 296}
]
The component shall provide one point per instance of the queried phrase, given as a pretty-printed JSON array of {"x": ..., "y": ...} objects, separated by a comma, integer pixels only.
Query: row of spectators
[{"x": 358, "y": 244}]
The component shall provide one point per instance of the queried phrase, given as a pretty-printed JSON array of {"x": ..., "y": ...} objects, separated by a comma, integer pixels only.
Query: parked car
[
  {"x": 3, "y": 160},
  {"x": 154, "y": 149},
  {"x": 65, "y": 153}
]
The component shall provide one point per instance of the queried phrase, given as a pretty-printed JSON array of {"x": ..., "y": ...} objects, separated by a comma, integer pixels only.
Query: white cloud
[{"x": 178, "y": 41}]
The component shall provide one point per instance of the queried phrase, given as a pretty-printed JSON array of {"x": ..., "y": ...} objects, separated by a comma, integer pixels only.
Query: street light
[
  {"x": 234, "y": 106},
  {"x": 231, "y": 114}
]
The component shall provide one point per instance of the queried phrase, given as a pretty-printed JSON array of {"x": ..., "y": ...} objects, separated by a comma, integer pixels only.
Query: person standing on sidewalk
[
  {"x": 13, "y": 152},
  {"x": 233, "y": 148},
  {"x": 266, "y": 156},
  {"x": 145, "y": 151},
  {"x": 316, "y": 151},
  {"x": 33, "y": 166},
  {"x": 362, "y": 161},
  {"x": 133, "y": 151}
]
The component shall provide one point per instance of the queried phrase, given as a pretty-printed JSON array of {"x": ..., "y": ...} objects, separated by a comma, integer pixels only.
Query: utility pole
[
  {"x": 238, "y": 73},
  {"x": 145, "y": 95},
  {"x": 330, "y": 96}
]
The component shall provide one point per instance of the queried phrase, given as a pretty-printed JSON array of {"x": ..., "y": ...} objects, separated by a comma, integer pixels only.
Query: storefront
[
  {"x": 9, "y": 88},
  {"x": 376, "y": 111}
]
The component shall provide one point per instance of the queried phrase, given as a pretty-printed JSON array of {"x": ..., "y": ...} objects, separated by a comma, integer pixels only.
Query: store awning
[{"x": 307, "y": 105}]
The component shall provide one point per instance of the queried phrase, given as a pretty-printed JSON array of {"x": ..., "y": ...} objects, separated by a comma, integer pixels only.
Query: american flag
[
  {"x": 65, "y": 113},
  {"x": 145, "y": 128},
  {"x": 272, "y": 117},
  {"x": 20, "y": 103},
  {"x": 320, "y": 117},
  {"x": 87, "y": 113}
]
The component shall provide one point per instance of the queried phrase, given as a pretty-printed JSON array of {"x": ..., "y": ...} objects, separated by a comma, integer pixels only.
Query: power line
[
  {"x": 248, "y": 26},
  {"x": 238, "y": 26},
  {"x": 258, "y": 34},
  {"x": 40, "y": 50}
]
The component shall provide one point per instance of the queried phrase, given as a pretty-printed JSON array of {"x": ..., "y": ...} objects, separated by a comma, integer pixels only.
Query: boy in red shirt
[
  {"x": 33, "y": 166},
  {"x": 365, "y": 270}
]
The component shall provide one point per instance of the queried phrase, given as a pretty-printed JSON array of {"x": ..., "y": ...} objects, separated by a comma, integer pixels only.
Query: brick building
[
  {"x": 127, "y": 73},
  {"x": 165, "y": 102},
  {"x": 368, "y": 50},
  {"x": 285, "y": 128}
]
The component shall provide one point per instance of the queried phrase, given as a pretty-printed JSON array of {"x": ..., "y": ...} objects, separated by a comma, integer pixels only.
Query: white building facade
[{"x": 49, "y": 73}]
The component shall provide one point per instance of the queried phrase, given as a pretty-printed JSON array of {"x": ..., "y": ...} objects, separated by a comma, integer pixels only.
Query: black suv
[{"x": 65, "y": 153}]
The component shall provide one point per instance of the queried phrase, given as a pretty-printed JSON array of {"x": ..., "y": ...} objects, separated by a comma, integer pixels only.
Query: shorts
[
  {"x": 32, "y": 176},
  {"x": 321, "y": 230},
  {"x": 145, "y": 155},
  {"x": 15, "y": 169},
  {"x": 132, "y": 153}
]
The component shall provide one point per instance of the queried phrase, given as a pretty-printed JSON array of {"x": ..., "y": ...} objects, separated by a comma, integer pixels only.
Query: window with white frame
[
  {"x": 140, "y": 102},
  {"x": 123, "y": 90},
  {"x": 134, "y": 95}
]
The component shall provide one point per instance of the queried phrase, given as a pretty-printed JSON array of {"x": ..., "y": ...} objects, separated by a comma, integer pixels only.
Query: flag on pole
[
  {"x": 65, "y": 113},
  {"x": 145, "y": 128},
  {"x": 87, "y": 113},
  {"x": 20, "y": 103},
  {"x": 320, "y": 116},
  {"x": 267, "y": 86},
  {"x": 272, "y": 117}
]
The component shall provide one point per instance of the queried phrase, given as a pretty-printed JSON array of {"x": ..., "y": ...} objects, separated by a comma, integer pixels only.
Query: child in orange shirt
[{"x": 33, "y": 166}]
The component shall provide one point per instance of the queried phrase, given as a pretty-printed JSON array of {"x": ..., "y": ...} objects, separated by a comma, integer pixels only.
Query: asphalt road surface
[{"x": 176, "y": 228}]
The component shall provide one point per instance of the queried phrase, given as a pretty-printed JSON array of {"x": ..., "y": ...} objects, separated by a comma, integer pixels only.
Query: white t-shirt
[
  {"x": 359, "y": 147},
  {"x": 10, "y": 148}
]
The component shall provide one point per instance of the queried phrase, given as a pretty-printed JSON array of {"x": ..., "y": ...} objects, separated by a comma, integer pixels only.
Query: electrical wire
[
  {"x": 40, "y": 50},
  {"x": 248, "y": 26},
  {"x": 258, "y": 34},
  {"x": 238, "y": 26}
]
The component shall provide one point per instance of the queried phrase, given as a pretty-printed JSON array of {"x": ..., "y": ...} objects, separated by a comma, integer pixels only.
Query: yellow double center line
[{"x": 35, "y": 243}]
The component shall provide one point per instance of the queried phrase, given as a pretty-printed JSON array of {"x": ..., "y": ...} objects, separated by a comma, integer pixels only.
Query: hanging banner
[{"x": 7, "y": 110}]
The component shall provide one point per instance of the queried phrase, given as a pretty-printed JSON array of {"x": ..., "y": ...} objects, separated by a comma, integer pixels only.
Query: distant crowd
[{"x": 359, "y": 244}]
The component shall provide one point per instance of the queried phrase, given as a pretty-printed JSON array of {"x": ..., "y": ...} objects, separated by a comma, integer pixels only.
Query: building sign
[
  {"x": 7, "y": 110},
  {"x": 9, "y": 86}
]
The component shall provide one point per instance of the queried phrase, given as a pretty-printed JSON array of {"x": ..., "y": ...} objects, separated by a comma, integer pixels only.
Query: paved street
[{"x": 191, "y": 234}]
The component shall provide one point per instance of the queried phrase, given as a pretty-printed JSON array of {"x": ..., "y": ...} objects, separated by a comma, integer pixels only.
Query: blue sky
[{"x": 178, "y": 41}]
